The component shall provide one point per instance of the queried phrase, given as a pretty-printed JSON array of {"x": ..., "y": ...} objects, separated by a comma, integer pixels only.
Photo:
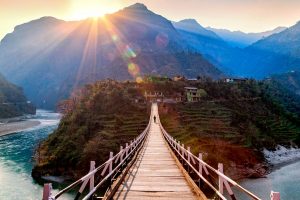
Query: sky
[{"x": 244, "y": 15}]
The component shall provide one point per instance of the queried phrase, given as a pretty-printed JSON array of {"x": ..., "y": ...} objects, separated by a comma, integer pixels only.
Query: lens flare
[
  {"x": 139, "y": 79},
  {"x": 162, "y": 40},
  {"x": 125, "y": 49},
  {"x": 128, "y": 52},
  {"x": 114, "y": 38},
  {"x": 133, "y": 69}
]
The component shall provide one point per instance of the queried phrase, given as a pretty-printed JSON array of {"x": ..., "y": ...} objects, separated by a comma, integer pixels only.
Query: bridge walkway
[{"x": 155, "y": 174}]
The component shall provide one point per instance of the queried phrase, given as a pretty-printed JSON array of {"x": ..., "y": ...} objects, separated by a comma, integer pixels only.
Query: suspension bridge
[{"x": 154, "y": 166}]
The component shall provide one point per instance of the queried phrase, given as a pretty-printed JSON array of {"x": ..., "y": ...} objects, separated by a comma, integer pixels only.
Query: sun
[
  {"x": 83, "y": 14},
  {"x": 82, "y": 9}
]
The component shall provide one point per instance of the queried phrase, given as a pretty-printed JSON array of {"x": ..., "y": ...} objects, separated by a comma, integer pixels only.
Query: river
[
  {"x": 285, "y": 180},
  {"x": 16, "y": 152}
]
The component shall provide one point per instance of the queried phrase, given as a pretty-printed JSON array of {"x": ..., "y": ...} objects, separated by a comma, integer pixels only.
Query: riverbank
[
  {"x": 282, "y": 157},
  {"x": 285, "y": 180},
  {"x": 13, "y": 127},
  {"x": 274, "y": 160}
]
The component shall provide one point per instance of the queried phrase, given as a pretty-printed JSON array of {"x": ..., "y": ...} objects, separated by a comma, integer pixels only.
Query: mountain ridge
[
  {"x": 191, "y": 25},
  {"x": 241, "y": 39},
  {"x": 276, "y": 54},
  {"x": 124, "y": 45}
]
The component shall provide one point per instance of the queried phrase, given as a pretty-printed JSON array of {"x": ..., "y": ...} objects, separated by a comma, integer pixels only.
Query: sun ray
[
  {"x": 124, "y": 48},
  {"x": 87, "y": 70}
]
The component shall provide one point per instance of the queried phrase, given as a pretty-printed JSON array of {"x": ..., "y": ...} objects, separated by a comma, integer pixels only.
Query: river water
[
  {"x": 285, "y": 180},
  {"x": 16, "y": 152}
]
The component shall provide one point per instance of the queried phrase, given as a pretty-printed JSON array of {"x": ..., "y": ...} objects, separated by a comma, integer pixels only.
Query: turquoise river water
[{"x": 16, "y": 151}]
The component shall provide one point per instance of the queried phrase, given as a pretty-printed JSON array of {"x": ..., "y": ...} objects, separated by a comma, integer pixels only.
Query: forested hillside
[
  {"x": 234, "y": 123},
  {"x": 231, "y": 124},
  {"x": 289, "y": 80},
  {"x": 98, "y": 119},
  {"x": 12, "y": 100}
]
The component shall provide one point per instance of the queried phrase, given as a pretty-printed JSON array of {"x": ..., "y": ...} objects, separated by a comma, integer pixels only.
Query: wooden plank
[
  {"x": 155, "y": 174},
  {"x": 138, "y": 195}
]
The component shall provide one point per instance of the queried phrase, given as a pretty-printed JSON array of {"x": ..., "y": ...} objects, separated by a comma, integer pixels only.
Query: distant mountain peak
[
  {"x": 241, "y": 39},
  {"x": 42, "y": 20},
  {"x": 137, "y": 6},
  {"x": 281, "y": 28},
  {"x": 192, "y": 25},
  {"x": 189, "y": 21}
]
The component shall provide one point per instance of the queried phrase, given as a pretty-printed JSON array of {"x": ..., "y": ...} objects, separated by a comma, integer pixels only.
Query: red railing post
[
  {"x": 220, "y": 169},
  {"x": 126, "y": 149},
  {"x": 111, "y": 155},
  {"x": 121, "y": 156},
  {"x": 275, "y": 195},
  {"x": 200, "y": 168},
  {"x": 47, "y": 191},
  {"x": 189, "y": 156},
  {"x": 92, "y": 179},
  {"x": 183, "y": 153}
]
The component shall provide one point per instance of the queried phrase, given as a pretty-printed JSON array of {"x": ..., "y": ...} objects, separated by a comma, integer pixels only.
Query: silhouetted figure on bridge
[{"x": 154, "y": 118}]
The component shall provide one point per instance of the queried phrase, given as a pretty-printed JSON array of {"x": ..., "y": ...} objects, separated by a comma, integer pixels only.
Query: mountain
[
  {"x": 285, "y": 42},
  {"x": 50, "y": 58},
  {"x": 241, "y": 39},
  {"x": 191, "y": 25},
  {"x": 289, "y": 80},
  {"x": 12, "y": 100},
  {"x": 211, "y": 46},
  {"x": 276, "y": 54}
]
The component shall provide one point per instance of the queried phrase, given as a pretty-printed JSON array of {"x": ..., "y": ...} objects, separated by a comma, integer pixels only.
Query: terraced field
[
  {"x": 232, "y": 134},
  {"x": 204, "y": 119},
  {"x": 282, "y": 130}
]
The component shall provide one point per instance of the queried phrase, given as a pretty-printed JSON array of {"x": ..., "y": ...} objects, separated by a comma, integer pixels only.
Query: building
[
  {"x": 179, "y": 78},
  {"x": 154, "y": 96},
  {"x": 194, "y": 94},
  {"x": 228, "y": 80},
  {"x": 234, "y": 80},
  {"x": 174, "y": 98}
]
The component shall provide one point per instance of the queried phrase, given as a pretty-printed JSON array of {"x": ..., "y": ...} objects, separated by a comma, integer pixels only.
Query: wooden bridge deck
[{"x": 155, "y": 174}]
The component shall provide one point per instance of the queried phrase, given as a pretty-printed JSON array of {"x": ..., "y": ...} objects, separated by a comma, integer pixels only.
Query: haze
[{"x": 244, "y": 15}]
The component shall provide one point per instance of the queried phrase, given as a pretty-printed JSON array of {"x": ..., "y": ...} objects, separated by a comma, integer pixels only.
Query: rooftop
[{"x": 191, "y": 88}]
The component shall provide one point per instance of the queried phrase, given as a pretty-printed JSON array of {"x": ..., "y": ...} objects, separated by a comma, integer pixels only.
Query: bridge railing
[
  {"x": 105, "y": 172},
  {"x": 204, "y": 172}
]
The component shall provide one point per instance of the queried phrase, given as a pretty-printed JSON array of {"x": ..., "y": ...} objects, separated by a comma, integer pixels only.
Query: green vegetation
[
  {"x": 290, "y": 81},
  {"x": 231, "y": 123},
  {"x": 12, "y": 100},
  {"x": 98, "y": 119},
  {"x": 284, "y": 89}
]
